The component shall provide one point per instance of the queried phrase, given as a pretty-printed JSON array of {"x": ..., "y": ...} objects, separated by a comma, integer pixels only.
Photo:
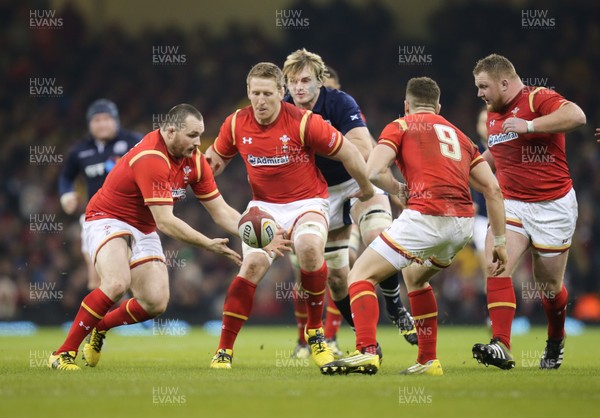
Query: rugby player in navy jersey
[
  {"x": 92, "y": 158},
  {"x": 305, "y": 73}
]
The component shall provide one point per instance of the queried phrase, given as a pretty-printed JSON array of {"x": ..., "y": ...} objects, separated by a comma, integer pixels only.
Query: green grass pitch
[{"x": 148, "y": 376}]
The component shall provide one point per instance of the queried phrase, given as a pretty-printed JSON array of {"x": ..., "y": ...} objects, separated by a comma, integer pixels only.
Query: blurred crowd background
[{"x": 361, "y": 40}]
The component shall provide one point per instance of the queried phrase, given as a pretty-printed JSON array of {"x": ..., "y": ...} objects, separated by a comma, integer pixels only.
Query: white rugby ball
[{"x": 257, "y": 227}]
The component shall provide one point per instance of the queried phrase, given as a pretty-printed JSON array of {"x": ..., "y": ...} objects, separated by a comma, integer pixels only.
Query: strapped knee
[
  {"x": 312, "y": 228},
  {"x": 336, "y": 254},
  {"x": 374, "y": 218}
]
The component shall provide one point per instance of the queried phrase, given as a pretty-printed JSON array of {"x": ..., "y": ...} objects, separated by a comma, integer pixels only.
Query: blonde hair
[
  {"x": 302, "y": 58},
  {"x": 497, "y": 67},
  {"x": 266, "y": 70}
]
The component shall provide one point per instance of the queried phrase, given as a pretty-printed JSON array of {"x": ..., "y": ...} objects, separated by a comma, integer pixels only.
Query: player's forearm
[
  {"x": 362, "y": 140},
  {"x": 181, "y": 231},
  {"x": 224, "y": 215},
  {"x": 495, "y": 208},
  {"x": 356, "y": 166},
  {"x": 385, "y": 180},
  {"x": 378, "y": 170},
  {"x": 568, "y": 117},
  {"x": 228, "y": 220}
]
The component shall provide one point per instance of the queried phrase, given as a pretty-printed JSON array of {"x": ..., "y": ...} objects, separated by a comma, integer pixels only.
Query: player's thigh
[
  {"x": 480, "y": 228},
  {"x": 516, "y": 245},
  {"x": 112, "y": 262},
  {"x": 93, "y": 277},
  {"x": 550, "y": 270},
  {"x": 341, "y": 234},
  {"x": 150, "y": 282},
  {"x": 417, "y": 275},
  {"x": 371, "y": 266},
  {"x": 339, "y": 203},
  {"x": 372, "y": 216},
  {"x": 551, "y": 224}
]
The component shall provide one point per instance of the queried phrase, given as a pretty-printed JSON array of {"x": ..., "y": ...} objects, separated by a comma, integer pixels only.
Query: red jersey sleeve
[
  {"x": 476, "y": 157},
  {"x": 205, "y": 187},
  {"x": 225, "y": 144},
  {"x": 319, "y": 135},
  {"x": 151, "y": 170},
  {"x": 545, "y": 101},
  {"x": 392, "y": 134}
]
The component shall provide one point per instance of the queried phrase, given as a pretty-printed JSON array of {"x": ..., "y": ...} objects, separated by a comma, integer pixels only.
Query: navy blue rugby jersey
[
  {"x": 94, "y": 160},
  {"x": 341, "y": 111}
]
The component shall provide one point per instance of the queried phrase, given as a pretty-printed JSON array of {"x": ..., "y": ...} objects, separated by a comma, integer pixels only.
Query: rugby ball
[{"x": 257, "y": 227}]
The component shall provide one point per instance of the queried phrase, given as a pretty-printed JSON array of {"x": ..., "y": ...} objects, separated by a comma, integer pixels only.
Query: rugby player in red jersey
[
  {"x": 439, "y": 163},
  {"x": 121, "y": 221},
  {"x": 278, "y": 143},
  {"x": 526, "y": 128}
]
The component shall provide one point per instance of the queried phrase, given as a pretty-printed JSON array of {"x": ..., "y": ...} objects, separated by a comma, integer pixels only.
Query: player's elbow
[
  {"x": 373, "y": 174},
  {"x": 375, "y": 177},
  {"x": 492, "y": 191},
  {"x": 576, "y": 116},
  {"x": 163, "y": 224},
  {"x": 162, "y": 227},
  {"x": 579, "y": 119}
]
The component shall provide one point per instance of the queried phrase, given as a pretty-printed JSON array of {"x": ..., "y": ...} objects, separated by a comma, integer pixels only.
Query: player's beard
[
  {"x": 490, "y": 107},
  {"x": 188, "y": 152}
]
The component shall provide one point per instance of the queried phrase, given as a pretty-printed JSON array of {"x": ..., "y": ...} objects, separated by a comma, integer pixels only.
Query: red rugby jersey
[
  {"x": 435, "y": 159},
  {"x": 280, "y": 157},
  {"x": 530, "y": 167},
  {"x": 147, "y": 175}
]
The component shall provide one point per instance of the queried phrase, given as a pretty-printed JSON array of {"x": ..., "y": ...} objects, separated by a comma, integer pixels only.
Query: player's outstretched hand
[
  {"x": 69, "y": 202},
  {"x": 219, "y": 246},
  {"x": 597, "y": 134},
  {"x": 499, "y": 261},
  {"x": 365, "y": 193},
  {"x": 279, "y": 245}
]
